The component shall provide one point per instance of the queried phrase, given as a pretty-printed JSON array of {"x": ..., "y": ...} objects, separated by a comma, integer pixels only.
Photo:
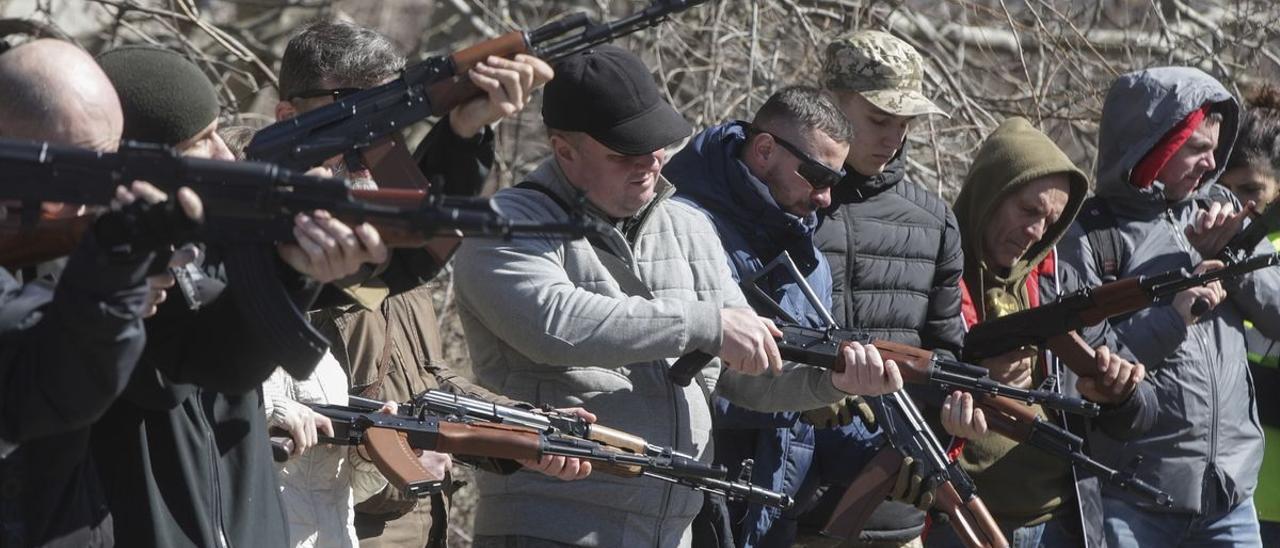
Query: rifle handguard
[
  {"x": 864, "y": 495},
  {"x": 973, "y": 524}
]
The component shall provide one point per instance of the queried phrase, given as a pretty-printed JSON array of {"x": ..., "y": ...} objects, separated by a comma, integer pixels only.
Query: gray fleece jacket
[
  {"x": 1206, "y": 446},
  {"x": 546, "y": 323}
]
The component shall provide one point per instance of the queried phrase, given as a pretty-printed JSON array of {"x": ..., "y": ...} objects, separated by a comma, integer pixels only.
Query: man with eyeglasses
[
  {"x": 762, "y": 184},
  {"x": 382, "y": 323},
  {"x": 597, "y": 322}
]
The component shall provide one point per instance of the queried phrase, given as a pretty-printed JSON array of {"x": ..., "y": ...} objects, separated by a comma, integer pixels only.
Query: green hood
[
  {"x": 1012, "y": 156},
  {"x": 1015, "y": 154}
]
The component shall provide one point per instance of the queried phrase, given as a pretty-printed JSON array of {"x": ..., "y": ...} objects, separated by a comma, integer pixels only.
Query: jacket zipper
[
  {"x": 222, "y": 539},
  {"x": 1213, "y": 378},
  {"x": 630, "y": 258}
]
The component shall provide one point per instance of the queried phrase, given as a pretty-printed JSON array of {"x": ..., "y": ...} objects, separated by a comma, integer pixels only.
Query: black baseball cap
[{"x": 608, "y": 93}]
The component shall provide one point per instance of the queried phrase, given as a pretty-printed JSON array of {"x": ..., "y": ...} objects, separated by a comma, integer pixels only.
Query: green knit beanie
[{"x": 166, "y": 99}]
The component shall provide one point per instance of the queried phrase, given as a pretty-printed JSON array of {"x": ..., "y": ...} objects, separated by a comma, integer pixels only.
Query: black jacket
[
  {"x": 66, "y": 351},
  {"x": 184, "y": 455},
  {"x": 894, "y": 251}
]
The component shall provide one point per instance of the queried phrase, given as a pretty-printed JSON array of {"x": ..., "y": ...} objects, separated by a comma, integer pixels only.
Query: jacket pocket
[{"x": 574, "y": 386}]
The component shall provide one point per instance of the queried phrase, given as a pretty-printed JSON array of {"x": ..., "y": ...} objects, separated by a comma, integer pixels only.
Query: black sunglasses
[
  {"x": 816, "y": 173},
  {"x": 337, "y": 93}
]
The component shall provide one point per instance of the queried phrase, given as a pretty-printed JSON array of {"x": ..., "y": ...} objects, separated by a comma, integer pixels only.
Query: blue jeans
[
  {"x": 1050, "y": 534},
  {"x": 1128, "y": 525}
]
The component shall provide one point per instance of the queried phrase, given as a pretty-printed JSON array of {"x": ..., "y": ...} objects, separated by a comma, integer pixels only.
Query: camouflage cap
[{"x": 880, "y": 67}]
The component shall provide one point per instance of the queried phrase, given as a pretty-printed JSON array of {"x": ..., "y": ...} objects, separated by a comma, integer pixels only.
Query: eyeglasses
[
  {"x": 336, "y": 94},
  {"x": 816, "y": 173}
]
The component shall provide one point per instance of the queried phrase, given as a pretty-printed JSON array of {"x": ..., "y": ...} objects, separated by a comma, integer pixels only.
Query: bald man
[{"x": 69, "y": 337}]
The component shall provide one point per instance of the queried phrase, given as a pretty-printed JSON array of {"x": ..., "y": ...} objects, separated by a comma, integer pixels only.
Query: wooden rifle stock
[
  {"x": 970, "y": 519},
  {"x": 1076, "y": 354},
  {"x": 1008, "y": 418},
  {"x": 913, "y": 363},
  {"x": 448, "y": 94},
  {"x": 867, "y": 492},
  {"x": 47, "y": 240},
  {"x": 621, "y": 441}
]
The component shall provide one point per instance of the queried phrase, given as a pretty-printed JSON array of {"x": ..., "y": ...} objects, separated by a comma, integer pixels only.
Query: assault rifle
[
  {"x": 821, "y": 348},
  {"x": 548, "y": 421},
  {"x": 909, "y": 436},
  {"x": 369, "y": 121},
  {"x": 1021, "y": 424},
  {"x": 248, "y": 207},
  {"x": 551, "y": 422},
  {"x": 1054, "y": 325},
  {"x": 390, "y": 440}
]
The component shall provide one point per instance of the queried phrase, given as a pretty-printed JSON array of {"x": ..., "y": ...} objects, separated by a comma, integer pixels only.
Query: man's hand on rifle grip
[
  {"x": 302, "y": 423},
  {"x": 1210, "y": 295},
  {"x": 327, "y": 249},
  {"x": 961, "y": 418},
  {"x": 158, "y": 284},
  {"x": 1212, "y": 229},
  {"x": 910, "y": 487},
  {"x": 563, "y": 468},
  {"x": 865, "y": 372},
  {"x": 508, "y": 84},
  {"x": 1117, "y": 381},
  {"x": 747, "y": 342},
  {"x": 841, "y": 414}
]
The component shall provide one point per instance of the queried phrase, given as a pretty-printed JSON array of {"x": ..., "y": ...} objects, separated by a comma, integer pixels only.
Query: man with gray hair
[{"x": 762, "y": 184}]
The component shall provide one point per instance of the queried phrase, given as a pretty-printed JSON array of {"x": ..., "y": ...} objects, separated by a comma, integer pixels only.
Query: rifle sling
[{"x": 619, "y": 270}]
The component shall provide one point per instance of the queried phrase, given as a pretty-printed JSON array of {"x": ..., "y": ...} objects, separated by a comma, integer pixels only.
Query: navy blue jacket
[{"x": 754, "y": 230}]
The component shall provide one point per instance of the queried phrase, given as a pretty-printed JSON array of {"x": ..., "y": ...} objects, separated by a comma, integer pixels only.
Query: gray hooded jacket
[{"x": 1206, "y": 446}]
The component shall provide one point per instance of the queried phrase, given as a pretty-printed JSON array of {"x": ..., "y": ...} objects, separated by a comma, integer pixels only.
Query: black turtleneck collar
[{"x": 856, "y": 187}]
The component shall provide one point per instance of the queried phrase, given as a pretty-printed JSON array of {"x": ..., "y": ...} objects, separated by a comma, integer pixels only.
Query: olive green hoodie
[{"x": 1021, "y": 485}]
